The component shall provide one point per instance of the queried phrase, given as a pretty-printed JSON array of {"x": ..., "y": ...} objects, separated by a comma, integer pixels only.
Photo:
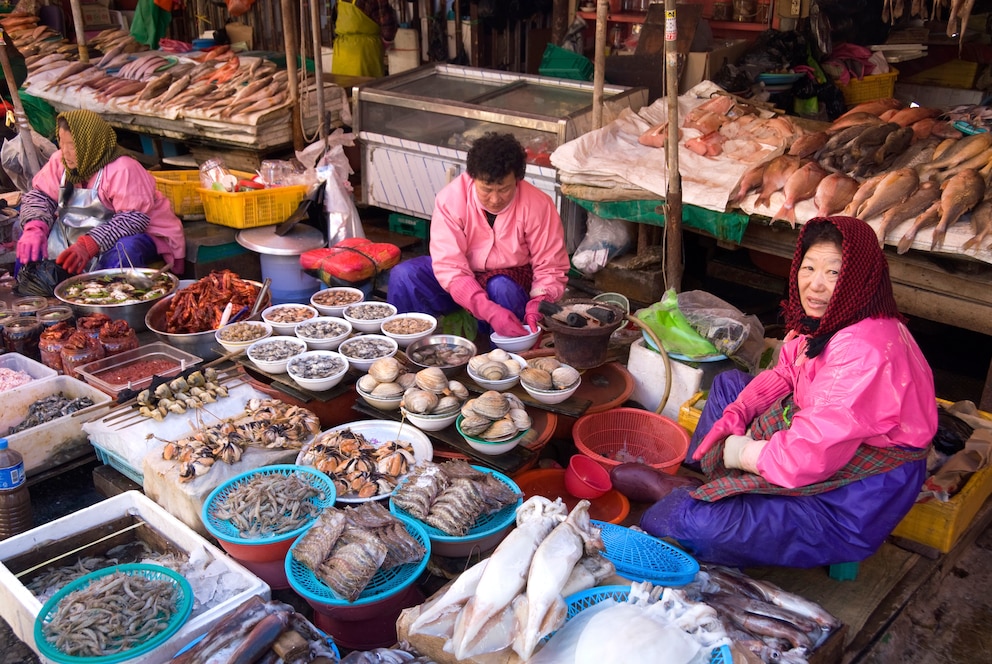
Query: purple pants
[
  {"x": 846, "y": 524},
  {"x": 139, "y": 248},
  {"x": 413, "y": 287}
]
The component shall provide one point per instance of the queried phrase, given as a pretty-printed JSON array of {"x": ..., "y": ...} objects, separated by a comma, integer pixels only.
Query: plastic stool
[{"x": 844, "y": 571}]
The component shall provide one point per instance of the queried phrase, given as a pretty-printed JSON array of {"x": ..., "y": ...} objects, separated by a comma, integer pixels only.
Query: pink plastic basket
[{"x": 626, "y": 435}]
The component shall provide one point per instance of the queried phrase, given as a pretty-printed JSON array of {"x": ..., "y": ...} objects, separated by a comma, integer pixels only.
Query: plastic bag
[
  {"x": 333, "y": 169},
  {"x": 732, "y": 332},
  {"x": 673, "y": 330},
  {"x": 605, "y": 239},
  {"x": 40, "y": 278},
  {"x": 16, "y": 163}
]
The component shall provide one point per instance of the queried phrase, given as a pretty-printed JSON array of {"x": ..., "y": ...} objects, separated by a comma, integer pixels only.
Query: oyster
[
  {"x": 564, "y": 376},
  {"x": 419, "y": 401},
  {"x": 385, "y": 369},
  {"x": 538, "y": 379},
  {"x": 432, "y": 379}
]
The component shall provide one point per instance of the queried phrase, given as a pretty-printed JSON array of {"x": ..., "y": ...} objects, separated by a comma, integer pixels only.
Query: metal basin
[{"x": 134, "y": 313}]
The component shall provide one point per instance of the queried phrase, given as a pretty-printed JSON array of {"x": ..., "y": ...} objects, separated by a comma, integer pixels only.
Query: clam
[
  {"x": 431, "y": 379},
  {"x": 520, "y": 418},
  {"x": 492, "y": 371},
  {"x": 501, "y": 429},
  {"x": 387, "y": 391},
  {"x": 406, "y": 380},
  {"x": 458, "y": 390},
  {"x": 548, "y": 364},
  {"x": 447, "y": 404},
  {"x": 512, "y": 367},
  {"x": 468, "y": 408},
  {"x": 564, "y": 376},
  {"x": 385, "y": 369},
  {"x": 514, "y": 401},
  {"x": 419, "y": 401},
  {"x": 477, "y": 361},
  {"x": 367, "y": 383},
  {"x": 491, "y": 404},
  {"x": 498, "y": 355},
  {"x": 538, "y": 379},
  {"x": 473, "y": 424}
]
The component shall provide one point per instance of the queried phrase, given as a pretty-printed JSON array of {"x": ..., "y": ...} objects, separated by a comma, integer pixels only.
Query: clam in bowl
[
  {"x": 284, "y": 317},
  {"x": 549, "y": 381},
  {"x": 238, "y": 336},
  {"x": 365, "y": 349},
  {"x": 367, "y": 317},
  {"x": 407, "y": 328},
  {"x": 496, "y": 370},
  {"x": 448, "y": 352},
  {"x": 323, "y": 332},
  {"x": 332, "y": 301},
  {"x": 489, "y": 447},
  {"x": 317, "y": 370},
  {"x": 273, "y": 354}
]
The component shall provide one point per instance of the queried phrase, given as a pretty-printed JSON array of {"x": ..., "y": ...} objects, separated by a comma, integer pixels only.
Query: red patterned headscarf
[{"x": 863, "y": 288}]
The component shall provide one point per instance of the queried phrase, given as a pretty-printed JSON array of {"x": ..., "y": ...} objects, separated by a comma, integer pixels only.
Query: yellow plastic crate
[
  {"x": 876, "y": 86},
  {"x": 250, "y": 209},
  {"x": 182, "y": 188},
  {"x": 940, "y": 525},
  {"x": 690, "y": 411}
]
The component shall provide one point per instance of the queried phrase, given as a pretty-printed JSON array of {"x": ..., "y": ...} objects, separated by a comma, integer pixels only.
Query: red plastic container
[
  {"x": 629, "y": 434},
  {"x": 612, "y": 506},
  {"x": 367, "y": 626},
  {"x": 585, "y": 478}
]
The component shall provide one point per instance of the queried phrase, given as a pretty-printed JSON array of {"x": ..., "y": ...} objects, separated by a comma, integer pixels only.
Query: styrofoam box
[
  {"x": 19, "y": 607},
  {"x": 33, "y": 368},
  {"x": 52, "y": 443},
  {"x": 647, "y": 368}
]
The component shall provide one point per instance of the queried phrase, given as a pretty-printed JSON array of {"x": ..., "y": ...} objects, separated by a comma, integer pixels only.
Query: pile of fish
[
  {"x": 880, "y": 161},
  {"x": 346, "y": 547},
  {"x": 451, "y": 496},
  {"x": 515, "y": 598}
]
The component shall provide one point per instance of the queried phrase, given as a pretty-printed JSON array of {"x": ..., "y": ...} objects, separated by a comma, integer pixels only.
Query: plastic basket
[
  {"x": 641, "y": 557},
  {"x": 182, "y": 188},
  {"x": 119, "y": 464},
  {"x": 876, "y": 86},
  {"x": 563, "y": 63},
  {"x": 628, "y": 434},
  {"x": 226, "y": 532},
  {"x": 690, "y": 411},
  {"x": 384, "y": 584},
  {"x": 250, "y": 209},
  {"x": 183, "y": 609}
]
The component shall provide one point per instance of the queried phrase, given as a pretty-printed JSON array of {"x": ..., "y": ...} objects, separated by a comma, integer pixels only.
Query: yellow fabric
[{"x": 357, "y": 46}]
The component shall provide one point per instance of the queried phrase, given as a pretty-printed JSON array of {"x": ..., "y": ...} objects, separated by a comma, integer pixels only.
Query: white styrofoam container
[
  {"x": 33, "y": 368},
  {"x": 52, "y": 443},
  {"x": 19, "y": 607},
  {"x": 647, "y": 368}
]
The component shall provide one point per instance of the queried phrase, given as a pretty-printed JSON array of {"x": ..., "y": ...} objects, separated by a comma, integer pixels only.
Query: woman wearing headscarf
[
  {"x": 90, "y": 201},
  {"x": 815, "y": 461}
]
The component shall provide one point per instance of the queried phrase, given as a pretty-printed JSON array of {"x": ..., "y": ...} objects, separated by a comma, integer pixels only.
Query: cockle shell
[
  {"x": 491, "y": 404},
  {"x": 419, "y": 401},
  {"x": 492, "y": 371},
  {"x": 407, "y": 380},
  {"x": 548, "y": 364},
  {"x": 385, "y": 369},
  {"x": 513, "y": 367},
  {"x": 367, "y": 383},
  {"x": 477, "y": 361},
  {"x": 498, "y": 355},
  {"x": 539, "y": 379},
  {"x": 432, "y": 379},
  {"x": 514, "y": 401},
  {"x": 475, "y": 424},
  {"x": 387, "y": 391},
  {"x": 564, "y": 376},
  {"x": 468, "y": 408}
]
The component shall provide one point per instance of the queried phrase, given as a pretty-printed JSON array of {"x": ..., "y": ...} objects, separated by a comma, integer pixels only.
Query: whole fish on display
[
  {"x": 775, "y": 176},
  {"x": 893, "y": 188},
  {"x": 960, "y": 194},
  {"x": 834, "y": 193},
  {"x": 925, "y": 219},
  {"x": 802, "y": 184},
  {"x": 926, "y": 195},
  {"x": 981, "y": 225}
]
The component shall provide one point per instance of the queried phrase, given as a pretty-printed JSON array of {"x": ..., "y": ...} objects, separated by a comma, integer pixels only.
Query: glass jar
[
  {"x": 21, "y": 335},
  {"x": 722, "y": 11},
  {"x": 52, "y": 315},
  {"x": 91, "y": 324},
  {"x": 80, "y": 349},
  {"x": 117, "y": 337},
  {"x": 745, "y": 10},
  {"x": 29, "y": 306},
  {"x": 50, "y": 345}
]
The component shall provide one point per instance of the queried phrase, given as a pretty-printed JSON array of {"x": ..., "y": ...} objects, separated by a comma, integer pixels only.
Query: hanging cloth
[
  {"x": 358, "y": 47},
  {"x": 151, "y": 21}
]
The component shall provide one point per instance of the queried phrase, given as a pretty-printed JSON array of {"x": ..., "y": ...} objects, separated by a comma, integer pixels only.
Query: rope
[{"x": 664, "y": 356}]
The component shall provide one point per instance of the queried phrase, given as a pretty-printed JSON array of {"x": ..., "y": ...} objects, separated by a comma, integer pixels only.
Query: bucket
[
  {"x": 289, "y": 282},
  {"x": 583, "y": 347},
  {"x": 367, "y": 626}
]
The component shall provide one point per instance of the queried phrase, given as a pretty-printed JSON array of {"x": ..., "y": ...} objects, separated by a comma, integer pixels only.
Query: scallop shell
[
  {"x": 492, "y": 371},
  {"x": 501, "y": 429},
  {"x": 473, "y": 425},
  {"x": 367, "y": 383},
  {"x": 512, "y": 367},
  {"x": 387, "y": 391},
  {"x": 406, "y": 380},
  {"x": 419, "y": 401},
  {"x": 520, "y": 418},
  {"x": 477, "y": 361},
  {"x": 458, "y": 390},
  {"x": 564, "y": 376},
  {"x": 539, "y": 379},
  {"x": 447, "y": 404},
  {"x": 385, "y": 369},
  {"x": 491, "y": 404},
  {"x": 498, "y": 355},
  {"x": 549, "y": 364},
  {"x": 432, "y": 379}
]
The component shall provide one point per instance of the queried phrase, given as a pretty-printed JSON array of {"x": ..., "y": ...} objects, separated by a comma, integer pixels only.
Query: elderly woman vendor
[
  {"x": 497, "y": 245},
  {"x": 816, "y": 460},
  {"x": 92, "y": 202}
]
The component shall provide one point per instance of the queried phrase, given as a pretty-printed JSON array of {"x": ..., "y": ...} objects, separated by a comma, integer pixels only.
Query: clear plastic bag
[
  {"x": 333, "y": 169},
  {"x": 604, "y": 239},
  {"x": 732, "y": 332},
  {"x": 16, "y": 163}
]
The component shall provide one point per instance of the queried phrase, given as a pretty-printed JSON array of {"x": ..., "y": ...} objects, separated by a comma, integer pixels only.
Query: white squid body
[
  {"x": 542, "y": 610},
  {"x": 486, "y": 623},
  {"x": 438, "y": 618}
]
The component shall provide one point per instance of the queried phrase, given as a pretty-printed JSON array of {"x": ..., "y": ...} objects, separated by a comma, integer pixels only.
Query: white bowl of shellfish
[
  {"x": 284, "y": 317},
  {"x": 430, "y": 421},
  {"x": 434, "y": 401},
  {"x": 238, "y": 336},
  {"x": 272, "y": 354},
  {"x": 368, "y": 316},
  {"x": 489, "y": 447},
  {"x": 317, "y": 370},
  {"x": 549, "y": 381},
  {"x": 323, "y": 332},
  {"x": 496, "y": 370},
  {"x": 493, "y": 422},
  {"x": 332, "y": 301},
  {"x": 409, "y": 327},
  {"x": 365, "y": 349},
  {"x": 383, "y": 386},
  {"x": 516, "y": 344}
]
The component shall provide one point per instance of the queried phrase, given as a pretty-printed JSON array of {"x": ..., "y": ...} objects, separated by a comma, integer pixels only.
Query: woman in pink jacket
[
  {"x": 92, "y": 207},
  {"x": 497, "y": 245},
  {"x": 814, "y": 461}
]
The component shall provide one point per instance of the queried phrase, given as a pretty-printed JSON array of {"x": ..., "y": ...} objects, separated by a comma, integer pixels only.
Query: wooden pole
[
  {"x": 673, "y": 198},
  {"x": 599, "y": 64},
  {"x": 23, "y": 125},
  {"x": 288, "y": 9},
  {"x": 77, "y": 22},
  {"x": 318, "y": 70}
]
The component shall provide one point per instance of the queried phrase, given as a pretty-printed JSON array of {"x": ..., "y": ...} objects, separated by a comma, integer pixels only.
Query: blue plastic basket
[
  {"x": 183, "y": 609},
  {"x": 641, "y": 557},
  {"x": 384, "y": 584},
  {"x": 226, "y": 531},
  {"x": 485, "y": 525}
]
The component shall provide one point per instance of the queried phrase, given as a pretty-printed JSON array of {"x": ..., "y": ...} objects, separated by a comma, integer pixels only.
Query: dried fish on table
[{"x": 269, "y": 504}]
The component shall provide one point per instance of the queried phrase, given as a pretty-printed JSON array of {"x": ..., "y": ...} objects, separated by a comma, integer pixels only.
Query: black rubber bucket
[{"x": 583, "y": 347}]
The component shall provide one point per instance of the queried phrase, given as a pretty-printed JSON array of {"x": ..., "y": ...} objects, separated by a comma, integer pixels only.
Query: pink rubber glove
[
  {"x": 75, "y": 259},
  {"x": 533, "y": 317},
  {"x": 731, "y": 423},
  {"x": 467, "y": 292},
  {"x": 33, "y": 243}
]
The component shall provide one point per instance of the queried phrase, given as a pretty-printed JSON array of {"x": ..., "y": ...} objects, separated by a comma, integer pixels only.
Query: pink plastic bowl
[{"x": 585, "y": 478}]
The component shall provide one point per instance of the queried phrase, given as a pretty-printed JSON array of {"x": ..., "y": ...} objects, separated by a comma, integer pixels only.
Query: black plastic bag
[
  {"x": 952, "y": 433},
  {"x": 40, "y": 278}
]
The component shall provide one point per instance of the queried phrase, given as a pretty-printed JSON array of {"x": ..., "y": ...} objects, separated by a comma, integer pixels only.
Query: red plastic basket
[{"x": 626, "y": 435}]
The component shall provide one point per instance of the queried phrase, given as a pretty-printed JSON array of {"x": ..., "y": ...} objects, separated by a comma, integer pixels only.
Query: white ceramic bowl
[
  {"x": 487, "y": 447},
  {"x": 552, "y": 396},
  {"x": 322, "y": 383},
  {"x": 347, "y": 348},
  {"x": 378, "y": 402},
  {"x": 274, "y": 366},
  {"x": 286, "y": 328},
  {"x": 234, "y": 346},
  {"x": 516, "y": 344},
  {"x": 368, "y": 325},
  {"x": 323, "y": 343},
  {"x": 430, "y": 422},
  {"x": 405, "y": 340},
  {"x": 334, "y": 309},
  {"x": 502, "y": 384}
]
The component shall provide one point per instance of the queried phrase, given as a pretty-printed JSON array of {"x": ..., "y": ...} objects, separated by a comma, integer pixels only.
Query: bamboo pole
[
  {"x": 288, "y": 9},
  {"x": 673, "y": 197},
  {"x": 599, "y": 70},
  {"x": 23, "y": 125},
  {"x": 318, "y": 70},
  {"x": 77, "y": 22}
]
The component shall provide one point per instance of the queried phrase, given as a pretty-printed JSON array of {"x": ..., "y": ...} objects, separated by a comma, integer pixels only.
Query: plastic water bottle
[{"x": 15, "y": 501}]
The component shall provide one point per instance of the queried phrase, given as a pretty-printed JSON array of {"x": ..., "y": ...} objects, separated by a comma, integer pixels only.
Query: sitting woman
[
  {"x": 814, "y": 461},
  {"x": 92, "y": 202}
]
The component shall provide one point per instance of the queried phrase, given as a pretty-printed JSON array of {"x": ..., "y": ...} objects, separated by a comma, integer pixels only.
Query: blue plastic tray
[
  {"x": 385, "y": 583},
  {"x": 641, "y": 557},
  {"x": 225, "y": 531},
  {"x": 486, "y": 524}
]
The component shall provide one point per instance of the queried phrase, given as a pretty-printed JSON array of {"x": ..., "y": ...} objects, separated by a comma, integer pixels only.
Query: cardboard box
[
  {"x": 96, "y": 16},
  {"x": 702, "y": 66}
]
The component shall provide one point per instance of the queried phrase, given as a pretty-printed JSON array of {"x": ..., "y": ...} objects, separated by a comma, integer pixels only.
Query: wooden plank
[{"x": 109, "y": 482}]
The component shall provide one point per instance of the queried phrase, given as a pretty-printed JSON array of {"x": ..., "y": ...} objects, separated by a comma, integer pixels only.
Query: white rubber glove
[{"x": 742, "y": 452}]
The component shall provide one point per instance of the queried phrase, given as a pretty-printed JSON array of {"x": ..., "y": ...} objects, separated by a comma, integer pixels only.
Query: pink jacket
[
  {"x": 127, "y": 186},
  {"x": 529, "y": 230},
  {"x": 871, "y": 385}
]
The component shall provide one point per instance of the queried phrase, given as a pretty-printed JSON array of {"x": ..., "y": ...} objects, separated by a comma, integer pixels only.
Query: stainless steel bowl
[
  {"x": 134, "y": 314},
  {"x": 201, "y": 344},
  {"x": 450, "y": 370}
]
